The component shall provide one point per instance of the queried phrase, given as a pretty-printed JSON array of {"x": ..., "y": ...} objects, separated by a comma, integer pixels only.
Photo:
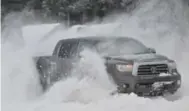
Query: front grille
[{"x": 152, "y": 69}]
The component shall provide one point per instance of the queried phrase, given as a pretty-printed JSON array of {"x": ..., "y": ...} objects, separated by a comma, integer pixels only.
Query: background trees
[{"x": 72, "y": 11}]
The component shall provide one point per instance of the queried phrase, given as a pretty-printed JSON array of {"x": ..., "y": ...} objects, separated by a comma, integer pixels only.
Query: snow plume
[
  {"x": 19, "y": 78},
  {"x": 14, "y": 68},
  {"x": 88, "y": 76},
  {"x": 91, "y": 66}
]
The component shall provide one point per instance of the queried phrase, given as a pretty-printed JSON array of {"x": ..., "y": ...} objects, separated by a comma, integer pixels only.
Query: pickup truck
[{"x": 133, "y": 66}]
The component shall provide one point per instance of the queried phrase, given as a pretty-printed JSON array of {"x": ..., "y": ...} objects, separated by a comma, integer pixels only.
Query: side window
[
  {"x": 67, "y": 49},
  {"x": 86, "y": 44}
]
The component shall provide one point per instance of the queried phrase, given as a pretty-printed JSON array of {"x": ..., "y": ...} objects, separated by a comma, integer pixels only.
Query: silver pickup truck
[{"x": 133, "y": 66}]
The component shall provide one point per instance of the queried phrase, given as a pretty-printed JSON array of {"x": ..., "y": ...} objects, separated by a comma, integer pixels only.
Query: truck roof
[
  {"x": 99, "y": 38},
  {"x": 92, "y": 38}
]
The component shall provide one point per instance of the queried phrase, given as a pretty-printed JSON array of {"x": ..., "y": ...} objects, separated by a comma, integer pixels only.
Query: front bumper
[{"x": 151, "y": 85}]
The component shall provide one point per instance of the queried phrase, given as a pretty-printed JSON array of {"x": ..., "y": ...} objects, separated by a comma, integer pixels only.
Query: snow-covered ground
[{"x": 161, "y": 24}]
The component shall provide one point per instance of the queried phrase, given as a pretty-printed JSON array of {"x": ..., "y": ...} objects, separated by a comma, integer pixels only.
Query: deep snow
[{"x": 161, "y": 24}]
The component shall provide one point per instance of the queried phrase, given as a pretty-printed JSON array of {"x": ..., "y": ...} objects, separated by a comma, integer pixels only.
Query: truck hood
[{"x": 139, "y": 58}]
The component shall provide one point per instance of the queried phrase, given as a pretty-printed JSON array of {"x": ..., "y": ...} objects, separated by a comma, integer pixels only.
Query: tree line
[{"x": 74, "y": 11}]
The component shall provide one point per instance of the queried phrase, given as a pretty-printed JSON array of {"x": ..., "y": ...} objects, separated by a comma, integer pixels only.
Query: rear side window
[
  {"x": 67, "y": 49},
  {"x": 91, "y": 44}
]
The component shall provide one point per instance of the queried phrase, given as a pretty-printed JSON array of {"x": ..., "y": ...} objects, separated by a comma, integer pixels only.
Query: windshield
[{"x": 115, "y": 47}]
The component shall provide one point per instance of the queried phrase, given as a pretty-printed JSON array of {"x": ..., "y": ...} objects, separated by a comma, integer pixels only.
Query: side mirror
[{"x": 152, "y": 50}]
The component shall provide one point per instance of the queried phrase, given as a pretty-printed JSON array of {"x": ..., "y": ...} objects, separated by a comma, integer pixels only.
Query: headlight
[
  {"x": 124, "y": 67},
  {"x": 172, "y": 65}
]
